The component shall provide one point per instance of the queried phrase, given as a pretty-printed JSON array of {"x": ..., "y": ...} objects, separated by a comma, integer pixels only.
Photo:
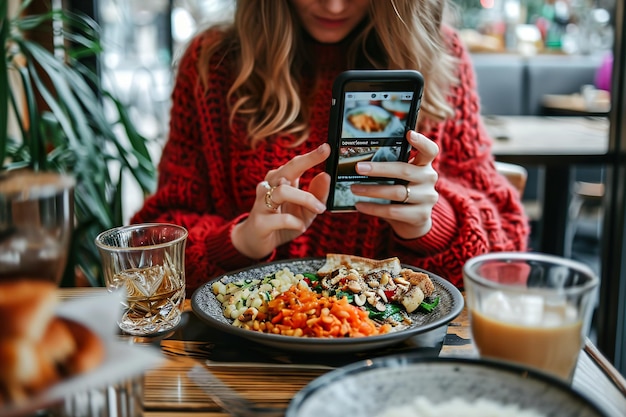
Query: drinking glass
[
  {"x": 121, "y": 399},
  {"x": 530, "y": 308},
  {"x": 148, "y": 261},
  {"x": 36, "y": 223}
]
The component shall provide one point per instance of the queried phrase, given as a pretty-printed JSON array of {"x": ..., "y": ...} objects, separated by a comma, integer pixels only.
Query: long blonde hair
[{"x": 267, "y": 41}]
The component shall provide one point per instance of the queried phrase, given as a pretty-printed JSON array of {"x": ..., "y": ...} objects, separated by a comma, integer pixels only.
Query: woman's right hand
[{"x": 282, "y": 211}]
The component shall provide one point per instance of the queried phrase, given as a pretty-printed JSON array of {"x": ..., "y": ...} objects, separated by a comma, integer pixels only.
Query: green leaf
[
  {"x": 348, "y": 295},
  {"x": 117, "y": 200},
  {"x": 391, "y": 309},
  {"x": 312, "y": 277},
  {"x": 23, "y": 6},
  {"x": 32, "y": 138},
  {"x": 4, "y": 12},
  {"x": 79, "y": 23},
  {"x": 74, "y": 117},
  {"x": 31, "y": 22},
  {"x": 429, "y": 307},
  {"x": 16, "y": 114}
]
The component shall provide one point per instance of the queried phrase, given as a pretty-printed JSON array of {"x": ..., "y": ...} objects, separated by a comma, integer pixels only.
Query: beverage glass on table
[
  {"x": 530, "y": 308},
  {"x": 148, "y": 262},
  {"x": 36, "y": 218}
]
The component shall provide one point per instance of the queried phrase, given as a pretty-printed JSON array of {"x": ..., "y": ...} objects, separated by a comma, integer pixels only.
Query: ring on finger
[
  {"x": 407, "y": 191},
  {"x": 269, "y": 203}
]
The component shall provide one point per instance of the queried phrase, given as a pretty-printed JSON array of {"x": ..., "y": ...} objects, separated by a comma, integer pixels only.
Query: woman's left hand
[{"x": 412, "y": 218}]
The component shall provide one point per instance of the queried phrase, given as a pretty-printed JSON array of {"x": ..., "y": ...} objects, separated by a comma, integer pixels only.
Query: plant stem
[{"x": 4, "y": 82}]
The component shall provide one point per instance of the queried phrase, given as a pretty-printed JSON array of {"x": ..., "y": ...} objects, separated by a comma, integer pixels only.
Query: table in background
[
  {"x": 168, "y": 392},
  {"x": 558, "y": 143},
  {"x": 575, "y": 105}
]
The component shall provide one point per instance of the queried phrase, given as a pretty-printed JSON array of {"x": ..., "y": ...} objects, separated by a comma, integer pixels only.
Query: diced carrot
[
  {"x": 277, "y": 318},
  {"x": 302, "y": 312}
]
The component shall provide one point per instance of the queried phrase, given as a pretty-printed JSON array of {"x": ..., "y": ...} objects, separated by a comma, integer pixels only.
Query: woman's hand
[
  {"x": 282, "y": 211},
  {"x": 412, "y": 219}
]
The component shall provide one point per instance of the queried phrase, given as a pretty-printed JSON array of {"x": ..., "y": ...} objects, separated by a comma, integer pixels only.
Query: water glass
[
  {"x": 148, "y": 262},
  {"x": 122, "y": 399},
  {"x": 530, "y": 308},
  {"x": 36, "y": 223}
]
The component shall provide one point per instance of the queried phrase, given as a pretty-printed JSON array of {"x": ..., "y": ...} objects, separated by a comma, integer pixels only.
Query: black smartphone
[{"x": 371, "y": 112}]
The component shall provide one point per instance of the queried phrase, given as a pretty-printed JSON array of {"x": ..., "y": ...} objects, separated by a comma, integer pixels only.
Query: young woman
[{"x": 243, "y": 169}]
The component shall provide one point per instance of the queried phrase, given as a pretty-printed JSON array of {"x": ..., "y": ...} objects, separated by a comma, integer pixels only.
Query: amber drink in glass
[{"x": 148, "y": 262}]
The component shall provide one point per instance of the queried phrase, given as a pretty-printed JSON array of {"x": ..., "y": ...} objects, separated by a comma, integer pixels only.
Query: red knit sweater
[{"x": 208, "y": 177}]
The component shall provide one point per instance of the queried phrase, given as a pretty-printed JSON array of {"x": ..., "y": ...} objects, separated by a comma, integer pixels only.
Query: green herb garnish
[
  {"x": 391, "y": 310},
  {"x": 429, "y": 307}
]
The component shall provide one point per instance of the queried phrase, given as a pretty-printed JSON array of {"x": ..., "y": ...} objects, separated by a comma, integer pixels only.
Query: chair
[
  {"x": 586, "y": 203},
  {"x": 515, "y": 174}
]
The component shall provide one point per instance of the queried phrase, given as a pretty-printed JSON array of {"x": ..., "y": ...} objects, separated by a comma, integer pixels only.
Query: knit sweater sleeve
[
  {"x": 183, "y": 194},
  {"x": 478, "y": 210}
]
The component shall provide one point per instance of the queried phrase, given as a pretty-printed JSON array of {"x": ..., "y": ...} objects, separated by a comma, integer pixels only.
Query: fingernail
[
  {"x": 414, "y": 135},
  {"x": 357, "y": 188},
  {"x": 363, "y": 167},
  {"x": 321, "y": 148},
  {"x": 320, "y": 208}
]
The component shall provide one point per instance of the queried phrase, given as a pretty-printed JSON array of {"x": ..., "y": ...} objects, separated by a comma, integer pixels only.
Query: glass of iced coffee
[
  {"x": 147, "y": 261},
  {"x": 530, "y": 308}
]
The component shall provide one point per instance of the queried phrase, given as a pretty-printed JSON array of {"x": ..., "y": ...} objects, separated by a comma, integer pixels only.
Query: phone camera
[{"x": 373, "y": 95}]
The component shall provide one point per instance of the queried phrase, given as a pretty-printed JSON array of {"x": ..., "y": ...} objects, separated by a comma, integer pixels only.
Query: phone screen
[{"x": 371, "y": 121}]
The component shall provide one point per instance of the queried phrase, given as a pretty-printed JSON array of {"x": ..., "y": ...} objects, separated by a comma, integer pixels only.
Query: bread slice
[
  {"x": 37, "y": 348},
  {"x": 26, "y": 368},
  {"x": 361, "y": 264},
  {"x": 26, "y": 307},
  {"x": 59, "y": 341},
  {"x": 90, "y": 350}
]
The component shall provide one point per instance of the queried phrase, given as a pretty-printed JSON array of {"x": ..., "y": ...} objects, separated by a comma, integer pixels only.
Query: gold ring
[
  {"x": 408, "y": 194},
  {"x": 269, "y": 203}
]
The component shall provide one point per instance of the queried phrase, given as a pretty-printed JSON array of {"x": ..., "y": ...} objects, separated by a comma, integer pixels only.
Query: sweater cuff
[
  {"x": 441, "y": 233},
  {"x": 229, "y": 257}
]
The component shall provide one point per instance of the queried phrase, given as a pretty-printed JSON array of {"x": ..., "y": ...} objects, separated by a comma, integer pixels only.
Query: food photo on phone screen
[{"x": 373, "y": 129}]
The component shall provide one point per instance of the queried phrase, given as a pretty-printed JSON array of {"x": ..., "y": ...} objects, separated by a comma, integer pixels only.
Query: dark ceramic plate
[
  {"x": 209, "y": 309},
  {"x": 371, "y": 387}
]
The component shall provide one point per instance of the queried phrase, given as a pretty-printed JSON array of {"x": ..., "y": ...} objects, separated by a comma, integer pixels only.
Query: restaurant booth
[{"x": 510, "y": 84}]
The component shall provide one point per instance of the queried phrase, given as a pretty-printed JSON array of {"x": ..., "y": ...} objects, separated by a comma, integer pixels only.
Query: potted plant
[{"x": 66, "y": 122}]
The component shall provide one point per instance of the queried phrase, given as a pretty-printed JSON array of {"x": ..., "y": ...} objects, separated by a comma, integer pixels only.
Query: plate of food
[
  {"x": 349, "y": 156},
  {"x": 337, "y": 304},
  {"x": 414, "y": 385},
  {"x": 371, "y": 121},
  {"x": 51, "y": 350}
]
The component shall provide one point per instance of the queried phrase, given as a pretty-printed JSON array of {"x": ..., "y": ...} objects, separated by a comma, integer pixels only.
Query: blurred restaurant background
[{"x": 533, "y": 58}]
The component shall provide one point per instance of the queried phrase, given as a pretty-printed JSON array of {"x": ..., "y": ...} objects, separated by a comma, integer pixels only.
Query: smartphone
[{"x": 371, "y": 112}]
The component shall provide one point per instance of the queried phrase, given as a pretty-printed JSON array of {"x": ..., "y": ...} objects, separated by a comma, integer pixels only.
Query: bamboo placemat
[{"x": 267, "y": 385}]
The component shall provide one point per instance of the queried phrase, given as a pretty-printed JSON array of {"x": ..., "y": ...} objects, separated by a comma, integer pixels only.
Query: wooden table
[
  {"x": 168, "y": 392},
  {"x": 575, "y": 104},
  {"x": 557, "y": 143}
]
